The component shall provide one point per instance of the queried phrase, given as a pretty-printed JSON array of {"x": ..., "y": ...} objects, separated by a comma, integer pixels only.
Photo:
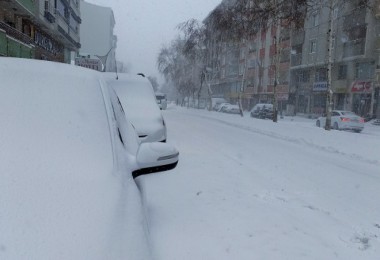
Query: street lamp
[{"x": 104, "y": 58}]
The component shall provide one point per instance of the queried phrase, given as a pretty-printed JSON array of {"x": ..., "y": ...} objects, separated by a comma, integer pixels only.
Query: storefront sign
[
  {"x": 361, "y": 86},
  {"x": 46, "y": 43},
  {"x": 320, "y": 86},
  {"x": 282, "y": 96}
]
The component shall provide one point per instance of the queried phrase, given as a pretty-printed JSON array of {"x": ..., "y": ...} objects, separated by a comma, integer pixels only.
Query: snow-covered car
[
  {"x": 216, "y": 102},
  {"x": 343, "y": 120},
  {"x": 262, "y": 110},
  {"x": 161, "y": 101},
  {"x": 69, "y": 163},
  {"x": 223, "y": 106},
  {"x": 232, "y": 109},
  {"x": 138, "y": 99}
]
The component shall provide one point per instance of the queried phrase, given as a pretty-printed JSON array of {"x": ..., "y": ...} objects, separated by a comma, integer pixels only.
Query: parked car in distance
[
  {"x": 216, "y": 102},
  {"x": 343, "y": 120},
  {"x": 262, "y": 110},
  {"x": 139, "y": 102},
  {"x": 267, "y": 112},
  {"x": 231, "y": 109},
  {"x": 222, "y": 107},
  {"x": 161, "y": 101},
  {"x": 68, "y": 159}
]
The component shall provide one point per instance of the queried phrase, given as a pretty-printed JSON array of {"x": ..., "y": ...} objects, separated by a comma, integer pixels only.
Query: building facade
[
  {"x": 97, "y": 34},
  {"x": 247, "y": 67},
  {"x": 43, "y": 29},
  {"x": 355, "y": 57}
]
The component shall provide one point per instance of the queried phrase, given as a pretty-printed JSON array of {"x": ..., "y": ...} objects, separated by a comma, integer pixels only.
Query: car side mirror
[{"x": 155, "y": 157}]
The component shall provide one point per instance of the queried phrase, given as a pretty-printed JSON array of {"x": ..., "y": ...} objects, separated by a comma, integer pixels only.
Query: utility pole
[
  {"x": 276, "y": 69},
  {"x": 329, "y": 92},
  {"x": 276, "y": 62},
  {"x": 242, "y": 87}
]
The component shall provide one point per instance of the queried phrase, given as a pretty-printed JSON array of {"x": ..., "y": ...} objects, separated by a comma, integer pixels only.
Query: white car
[
  {"x": 139, "y": 102},
  {"x": 232, "y": 109},
  {"x": 343, "y": 120},
  {"x": 161, "y": 101},
  {"x": 222, "y": 107},
  {"x": 69, "y": 160}
]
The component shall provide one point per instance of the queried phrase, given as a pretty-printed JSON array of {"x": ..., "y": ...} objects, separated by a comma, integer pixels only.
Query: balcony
[
  {"x": 30, "y": 5},
  {"x": 69, "y": 38},
  {"x": 298, "y": 38},
  {"x": 354, "y": 48},
  {"x": 49, "y": 16},
  {"x": 377, "y": 8},
  {"x": 296, "y": 59},
  {"x": 9, "y": 30}
]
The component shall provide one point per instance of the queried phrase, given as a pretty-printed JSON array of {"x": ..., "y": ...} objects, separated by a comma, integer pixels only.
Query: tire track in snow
[{"x": 299, "y": 141}]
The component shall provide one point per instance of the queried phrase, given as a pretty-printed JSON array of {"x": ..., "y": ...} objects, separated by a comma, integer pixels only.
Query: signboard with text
[
  {"x": 320, "y": 86},
  {"x": 360, "y": 86}
]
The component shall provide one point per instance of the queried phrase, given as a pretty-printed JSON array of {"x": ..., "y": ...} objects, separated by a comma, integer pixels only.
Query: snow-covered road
[{"x": 251, "y": 189}]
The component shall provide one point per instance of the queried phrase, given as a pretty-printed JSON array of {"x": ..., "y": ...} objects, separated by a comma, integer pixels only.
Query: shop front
[
  {"x": 362, "y": 98},
  {"x": 47, "y": 48}
]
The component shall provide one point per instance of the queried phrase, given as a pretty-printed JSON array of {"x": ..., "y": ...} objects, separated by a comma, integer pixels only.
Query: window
[
  {"x": 335, "y": 13},
  {"x": 313, "y": 46},
  {"x": 321, "y": 75},
  {"x": 303, "y": 76},
  {"x": 252, "y": 63},
  {"x": 61, "y": 8},
  {"x": 241, "y": 69},
  {"x": 252, "y": 46},
  {"x": 242, "y": 53},
  {"x": 342, "y": 74},
  {"x": 315, "y": 19},
  {"x": 271, "y": 80},
  {"x": 364, "y": 70}
]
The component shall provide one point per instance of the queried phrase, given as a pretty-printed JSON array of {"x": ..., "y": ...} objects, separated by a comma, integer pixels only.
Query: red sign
[
  {"x": 282, "y": 96},
  {"x": 361, "y": 86}
]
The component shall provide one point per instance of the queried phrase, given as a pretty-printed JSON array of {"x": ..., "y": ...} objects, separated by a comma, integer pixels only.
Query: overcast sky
[{"x": 144, "y": 26}]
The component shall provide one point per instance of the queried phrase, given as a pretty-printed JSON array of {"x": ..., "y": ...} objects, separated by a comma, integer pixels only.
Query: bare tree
[
  {"x": 196, "y": 49},
  {"x": 242, "y": 19},
  {"x": 177, "y": 68},
  {"x": 154, "y": 82}
]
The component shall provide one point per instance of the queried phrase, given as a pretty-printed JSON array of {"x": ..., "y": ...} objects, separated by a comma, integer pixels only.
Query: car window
[
  {"x": 347, "y": 113},
  {"x": 335, "y": 113},
  {"x": 124, "y": 130}
]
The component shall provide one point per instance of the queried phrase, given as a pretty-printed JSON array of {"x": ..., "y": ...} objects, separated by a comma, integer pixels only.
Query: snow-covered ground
[{"x": 252, "y": 189}]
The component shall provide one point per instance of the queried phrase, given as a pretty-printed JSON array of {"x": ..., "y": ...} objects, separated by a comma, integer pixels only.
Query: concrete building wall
[
  {"x": 97, "y": 36},
  {"x": 354, "y": 60},
  {"x": 35, "y": 29}
]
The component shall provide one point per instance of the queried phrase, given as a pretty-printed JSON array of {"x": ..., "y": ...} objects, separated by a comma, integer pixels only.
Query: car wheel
[
  {"x": 318, "y": 123},
  {"x": 336, "y": 127},
  {"x": 357, "y": 131}
]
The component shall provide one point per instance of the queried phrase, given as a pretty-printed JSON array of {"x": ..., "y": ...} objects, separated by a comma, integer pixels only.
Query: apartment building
[
  {"x": 355, "y": 57},
  {"x": 97, "y": 34},
  {"x": 40, "y": 29},
  {"x": 247, "y": 68},
  {"x": 248, "y": 65}
]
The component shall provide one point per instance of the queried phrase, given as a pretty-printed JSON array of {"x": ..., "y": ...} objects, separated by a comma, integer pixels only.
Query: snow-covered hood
[{"x": 60, "y": 197}]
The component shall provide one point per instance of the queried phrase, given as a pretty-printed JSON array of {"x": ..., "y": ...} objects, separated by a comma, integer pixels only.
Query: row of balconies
[{"x": 13, "y": 32}]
